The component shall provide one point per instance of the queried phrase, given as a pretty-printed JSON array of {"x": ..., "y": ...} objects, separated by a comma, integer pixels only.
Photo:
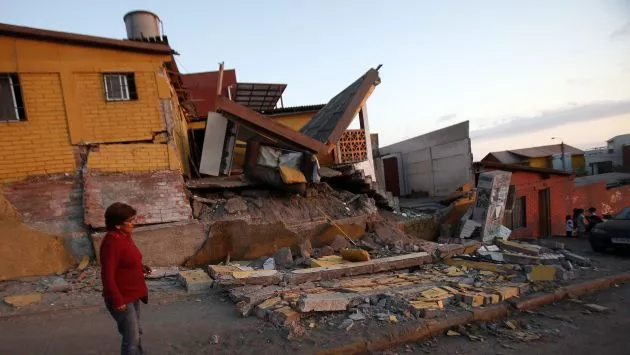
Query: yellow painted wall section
[
  {"x": 578, "y": 162},
  {"x": 135, "y": 157},
  {"x": 39, "y": 145},
  {"x": 294, "y": 121},
  {"x": 539, "y": 162},
  {"x": 118, "y": 121},
  {"x": 63, "y": 90}
]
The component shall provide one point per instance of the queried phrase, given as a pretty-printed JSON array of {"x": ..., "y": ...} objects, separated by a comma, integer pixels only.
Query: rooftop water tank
[{"x": 142, "y": 24}]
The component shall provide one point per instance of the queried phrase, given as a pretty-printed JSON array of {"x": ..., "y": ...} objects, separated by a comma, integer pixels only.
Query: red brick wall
[
  {"x": 50, "y": 203},
  {"x": 605, "y": 200},
  {"x": 528, "y": 184},
  {"x": 158, "y": 197}
]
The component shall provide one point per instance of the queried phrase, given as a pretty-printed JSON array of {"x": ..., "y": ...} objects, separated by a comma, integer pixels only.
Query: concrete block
[
  {"x": 195, "y": 281},
  {"x": 326, "y": 302},
  {"x": 529, "y": 249},
  {"x": 165, "y": 244},
  {"x": 237, "y": 293},
  {"x": 577, "y": 259},
  {"x": 520, "y": 259},
  {"x": 249, "y": 300},
  {"x": 283, "y": 257},
  {"x": 263, "y": 309},
  {"x": 254, "y": 277},
  {"x": 542, "y": 273},
  {"x": 222, "y": 271}
]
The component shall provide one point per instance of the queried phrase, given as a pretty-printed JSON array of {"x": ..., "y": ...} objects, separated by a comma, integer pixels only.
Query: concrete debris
[
  {"x": 529, "y": 249},
  {"x": 577, "y": 259},
  {"x": 305, "y": 248},
  {"x": 195, "y": 281},
  {"x": 159, "y": 272},
  {"x": 452, "y": 333},
  {"x": 235, "y": 205},
  {"x": 339, "y": 243},
  {"x": 469, "y": 228},
  {"x": 269, "y": 264},
  {"x": 346, "y": 325},
  {"x": 18, "y": 301},
  {"x": 326, "y": 250},
  {"x": 596, "y": 308},
  {"x": 283, "y": 258},
  {"x": 323, "y": 302},
  {"x": 357, "y": 316},
  {"x": 58, "y": 284}
]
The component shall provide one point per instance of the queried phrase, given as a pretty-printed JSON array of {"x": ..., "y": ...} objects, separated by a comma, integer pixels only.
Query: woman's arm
[{"x": 109, "y": 263}]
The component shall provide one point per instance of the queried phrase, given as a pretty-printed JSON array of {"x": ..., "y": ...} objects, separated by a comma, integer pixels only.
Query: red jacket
[{"x": 121, "y": 270}]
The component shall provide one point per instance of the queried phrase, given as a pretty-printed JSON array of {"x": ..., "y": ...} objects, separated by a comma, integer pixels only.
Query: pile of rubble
[{"x": 403, "y": 279}]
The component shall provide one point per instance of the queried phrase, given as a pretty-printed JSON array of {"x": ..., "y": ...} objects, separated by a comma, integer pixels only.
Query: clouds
[
  {"x": 446, "y": 118},
  {"x": 621, "y": 32},
  {"x": 513, "y": 126}
]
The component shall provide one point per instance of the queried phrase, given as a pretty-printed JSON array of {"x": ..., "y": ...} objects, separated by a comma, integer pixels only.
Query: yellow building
[
  {"x": 549, "y": 156},
  {"x": 65, "y": 97}
]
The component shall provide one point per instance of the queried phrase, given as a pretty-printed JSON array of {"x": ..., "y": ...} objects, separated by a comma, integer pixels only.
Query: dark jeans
[{"x": 128, "y": 323}]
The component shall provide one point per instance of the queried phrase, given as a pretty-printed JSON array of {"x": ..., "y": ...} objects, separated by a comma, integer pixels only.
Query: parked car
[{"x": 612, "y": 233}]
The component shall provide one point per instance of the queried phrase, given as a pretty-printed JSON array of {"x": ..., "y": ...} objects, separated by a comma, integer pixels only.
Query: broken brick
[{"x": 326, "y": 302}]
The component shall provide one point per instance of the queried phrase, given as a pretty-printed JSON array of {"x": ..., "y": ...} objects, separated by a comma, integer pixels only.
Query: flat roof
[{"x": 257, "y": 96}]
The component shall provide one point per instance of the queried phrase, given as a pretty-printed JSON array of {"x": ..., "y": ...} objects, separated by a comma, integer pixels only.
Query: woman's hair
[{"x": 117, "y": 213}]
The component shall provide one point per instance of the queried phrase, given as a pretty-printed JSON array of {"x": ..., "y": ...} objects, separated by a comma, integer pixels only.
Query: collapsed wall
[{"x": 25, "y": 251}]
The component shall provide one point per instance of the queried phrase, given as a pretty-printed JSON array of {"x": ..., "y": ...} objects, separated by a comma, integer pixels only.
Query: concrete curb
[
  {"x": 388, "y": 338},
  {"x": 94, "y": 307}
]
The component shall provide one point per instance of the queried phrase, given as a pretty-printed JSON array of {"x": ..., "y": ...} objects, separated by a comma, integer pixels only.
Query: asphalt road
[{"x": 210, "y": 325}]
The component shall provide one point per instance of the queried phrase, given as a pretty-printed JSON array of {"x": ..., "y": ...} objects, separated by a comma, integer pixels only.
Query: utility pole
[{"x": 564, "y": 167}]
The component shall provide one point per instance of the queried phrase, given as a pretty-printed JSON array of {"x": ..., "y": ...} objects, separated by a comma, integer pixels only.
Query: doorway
[
  {"x": 544, "y": 212},
  {"x": 392, "y": 182}
]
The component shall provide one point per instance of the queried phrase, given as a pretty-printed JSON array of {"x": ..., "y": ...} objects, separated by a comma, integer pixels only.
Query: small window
[
  {"x": 120, "y": 87},
  {"x": 11, "y": 102},
  {"x": 611, "y": 151},
  {"x": 519, "y": 214}
]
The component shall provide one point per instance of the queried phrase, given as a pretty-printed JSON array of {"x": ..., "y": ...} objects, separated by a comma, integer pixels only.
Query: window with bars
[
  {"x": 11, "y": 102},
  {"x": 519, "y": 213},
  {"x": 120, "y": 87}
]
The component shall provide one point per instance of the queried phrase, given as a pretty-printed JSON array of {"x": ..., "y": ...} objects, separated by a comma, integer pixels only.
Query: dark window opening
[
  {"x": 120, "y": 87},
  {"x": 519, "y": 214},
  {"x": 11, "y": 101}
]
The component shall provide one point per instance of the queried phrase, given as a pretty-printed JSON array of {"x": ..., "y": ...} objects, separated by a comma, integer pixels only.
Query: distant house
[
  {"x": 614, "y": 157},
  {"x": 556, "y": 156}
]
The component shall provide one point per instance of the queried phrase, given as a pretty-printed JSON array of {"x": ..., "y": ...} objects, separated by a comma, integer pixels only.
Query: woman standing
[{"x": 122, "y": 274}]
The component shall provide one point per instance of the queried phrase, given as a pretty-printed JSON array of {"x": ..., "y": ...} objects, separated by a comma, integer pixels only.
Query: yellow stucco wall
[
  {"x": 62, "y": 88},
  {"x": 40, "y": 145},
  {"x": 578, "y": 162},
  {"x": 132, "y": 157},
  {"x": 295, "y": 121},
  {"x": 543, "y": 162}
]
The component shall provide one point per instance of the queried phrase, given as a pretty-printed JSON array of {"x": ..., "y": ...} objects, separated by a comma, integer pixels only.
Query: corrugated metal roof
[
  {"x": 545, "y": 151},
  {"x": 85, "y": 40},
  {"x": 203, "y": 89},
  {"x": 257, "y": 96},
  {"x": 293, "y": 109},
  {"x": 328, "y": 124}
]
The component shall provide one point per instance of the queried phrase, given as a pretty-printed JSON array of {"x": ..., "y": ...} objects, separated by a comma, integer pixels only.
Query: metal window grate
[
  {"x": 120, "y": 87},
  {"x": 11, "y": 103}
]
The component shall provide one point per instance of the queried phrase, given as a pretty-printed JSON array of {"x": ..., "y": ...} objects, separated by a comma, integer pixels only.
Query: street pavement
[{"x": 210, "y": 325}]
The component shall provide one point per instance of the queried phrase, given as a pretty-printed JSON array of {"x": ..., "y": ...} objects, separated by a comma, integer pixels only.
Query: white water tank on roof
[{"x": 142, "y": 24}]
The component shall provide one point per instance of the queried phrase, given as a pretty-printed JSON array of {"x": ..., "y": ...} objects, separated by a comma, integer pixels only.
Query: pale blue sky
[{"x": 520, "y": 71}]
